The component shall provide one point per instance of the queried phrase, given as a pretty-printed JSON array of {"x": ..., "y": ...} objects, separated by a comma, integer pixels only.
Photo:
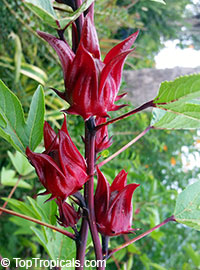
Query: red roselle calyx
[
  {"x": 68, "y": 215},
  {"x": 60, "y": 168},
  {"x": 102, "y": 140},
  {"x": 91, "y": 85},
  {"x": 113, "y": 208}
]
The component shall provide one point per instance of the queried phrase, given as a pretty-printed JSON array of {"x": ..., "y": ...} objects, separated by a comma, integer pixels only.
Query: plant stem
[
  {"x": 90, "y": 11},
  {"x": 70, "y": 235},
  {"x": 11, "y": 193},
  {"x": 90, "y": 159},
  {"x": 80, "y": 20},
  {"x": 124, "y": 147},
  {"x": 111, "y": 252},
  {"x": 139, "y": 109},
  {"x": 105, "y": 241},
  {"x": 81, "y": 243}
]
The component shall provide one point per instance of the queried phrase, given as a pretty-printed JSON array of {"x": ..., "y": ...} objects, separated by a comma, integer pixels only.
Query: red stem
[
  {"x": 80, "y": 20},
  {"x": 89, "y": 199},
  {"x": 172, "y": 218},
  {"x": 139, "y": 109},
  {"x": 124, "y": 147},
  {"x": 70, "y": 235},
  {"x": 90, "y": 159},
  {"x": 81, "y": 244},
  {"x": 11, "y": 193}
]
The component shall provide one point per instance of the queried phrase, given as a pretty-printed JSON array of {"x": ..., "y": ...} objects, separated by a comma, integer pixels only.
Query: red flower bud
[
  {"x": 91, "y": 86},
  {"x": 102, "y": 141},
  {"x": 68, "y": 215},
  {"x": 113, "y": 208},
  {"x": 60, "y": 168}
]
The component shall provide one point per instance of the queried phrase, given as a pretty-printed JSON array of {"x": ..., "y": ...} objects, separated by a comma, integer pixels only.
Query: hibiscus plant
[{"x": 91, "y": 92}]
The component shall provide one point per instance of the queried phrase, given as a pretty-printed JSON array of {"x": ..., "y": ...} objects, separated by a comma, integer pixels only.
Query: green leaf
[
  {"x": 20, "y": 162},
  {"x": 17, "y": 132},
  {"x": 50, "y": 208},
  {"x": 21, "y": 207},
  {"x": 35, "y": 120},
  {"x": 28, "y": 70},
  {"x": 44, "y": 10},
  {"x": 23, "y": 225},
  {"x": 157, "y": 266},
  {"x": 145, "y": 260},
  {"x": 187, "y": 119},
  {"x": 159, "y": 1},
  {"x": 73, "y": 16},
  {"x": 18, "y": 56},
  {"x": 57, "y": 246},
  {"x": 175, "y": 98},
  {"x": 38, "y": 210},
  {"x": 8, "y": 178},
  {"x": 185, "y": 88},
  {"x": 194, "y": 256},
  {"x": 187, "y": 210},
  {"x": 34, "y": 73},
  {"x": 133, "y": 249}
]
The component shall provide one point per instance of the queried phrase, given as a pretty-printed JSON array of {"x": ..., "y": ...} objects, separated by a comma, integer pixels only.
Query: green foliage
[
  {"x": 18, "y": 56},
  {"x": 194, "y": 256},
  {"x": 20, "y": 163},
  {"x": 28, "y": 70},
  {"x": 55, "y": 244},
  {"x": 14, "y": 129},
  {"x": 155, "y": 21},
  {"x": 176, "y": 98},
  {"x": 187, "y": 209},
  {"x": 183, "y": 88},
  {"x": 9, "y": 178},
  {"x": 44, "y": 9}
]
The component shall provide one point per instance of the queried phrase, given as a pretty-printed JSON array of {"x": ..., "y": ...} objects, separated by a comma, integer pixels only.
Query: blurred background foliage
[{"x": 156, "y": 161}]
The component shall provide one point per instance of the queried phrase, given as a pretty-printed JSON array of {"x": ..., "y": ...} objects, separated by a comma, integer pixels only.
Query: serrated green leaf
[
  {"x": 44, "y": 10},
  {"x": 185, "y": 88},
  {"x": 17, "y": 132},
  {"x": 169, "y": 120},
  {"x": 20, "y": 162},
  {"x": 187, "y": 210},
  {"x": 175, "y": 99}
]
